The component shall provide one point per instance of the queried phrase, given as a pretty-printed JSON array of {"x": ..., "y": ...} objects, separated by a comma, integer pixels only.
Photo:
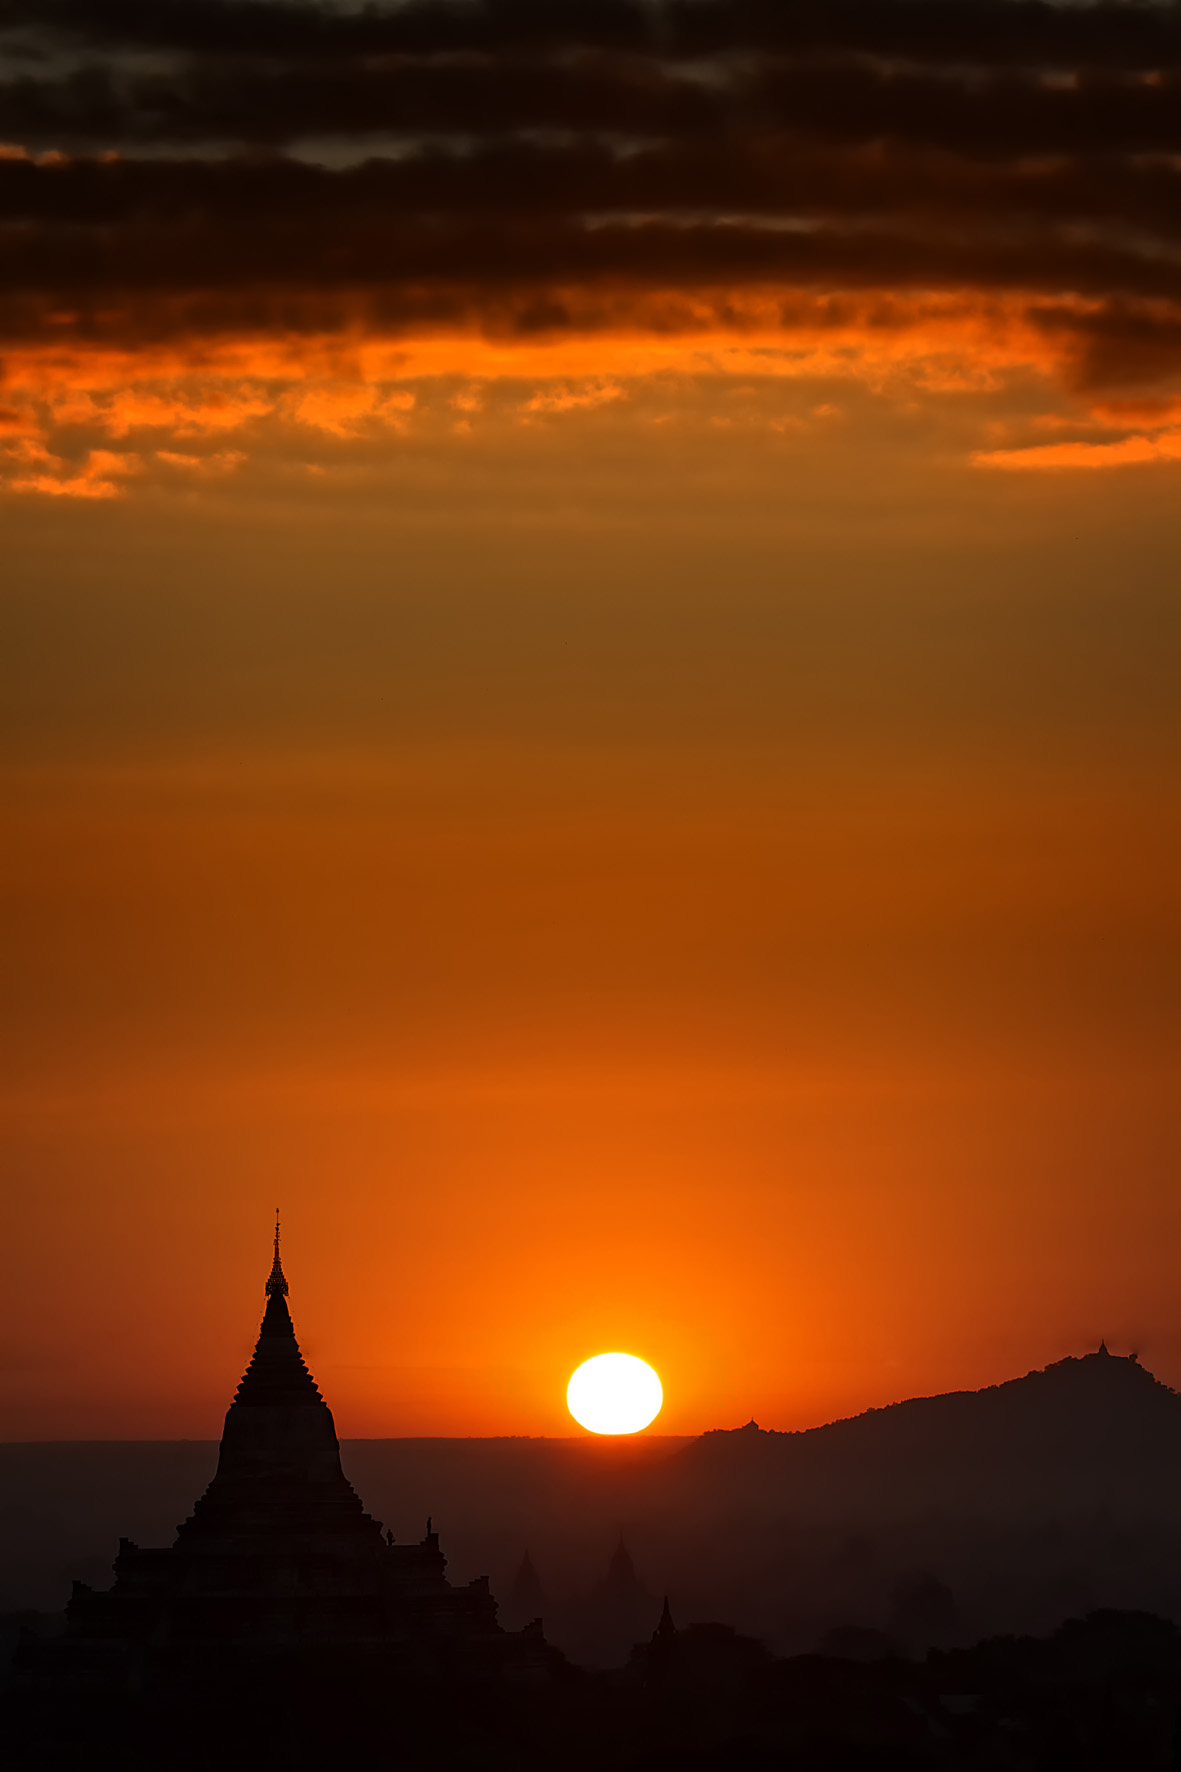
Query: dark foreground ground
[{"x": 1101, "y": 1692}]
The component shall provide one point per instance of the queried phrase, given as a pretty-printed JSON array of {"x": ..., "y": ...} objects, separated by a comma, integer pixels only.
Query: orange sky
[
  {"x": 589, "y": 698},
  {"x": 704, "y": 895}
]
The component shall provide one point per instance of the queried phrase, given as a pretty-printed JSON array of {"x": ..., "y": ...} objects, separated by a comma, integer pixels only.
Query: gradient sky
[{"x": 590, "y": 701}]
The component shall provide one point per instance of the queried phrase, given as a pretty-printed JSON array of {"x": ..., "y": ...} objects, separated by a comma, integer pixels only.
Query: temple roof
[
  {"x": 277, "y": 1373},
  {"x": 277, "y": 1280}
]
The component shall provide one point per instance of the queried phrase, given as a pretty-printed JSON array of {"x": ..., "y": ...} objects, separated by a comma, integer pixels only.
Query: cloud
[
  {"x": 567, "y": 399},
  {"x": 260, "y": 178},
  {"x": 345, "y": 410},
  {"x": 99, "y": 476},
  {"x": 1105, "y": 34},
  {"x": 1134, "y": 451},
  {"x": 519, "y": 240},
  {"x": 222, "y": 461},
  {"x": 196, "y": 412},
  {"x": 988, "y": 113},
  {"x": 281, "y": 394}
]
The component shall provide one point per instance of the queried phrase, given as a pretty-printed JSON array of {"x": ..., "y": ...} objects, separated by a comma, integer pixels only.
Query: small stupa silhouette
[
  {"x": 621, "y": 1581},
  {"x": 527, "y": 1595}
]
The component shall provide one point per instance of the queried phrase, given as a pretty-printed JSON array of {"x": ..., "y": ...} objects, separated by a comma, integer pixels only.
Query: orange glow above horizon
[{"x": 862, "y": 1140}]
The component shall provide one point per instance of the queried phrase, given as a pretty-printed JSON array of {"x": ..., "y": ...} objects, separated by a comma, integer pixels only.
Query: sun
[{"x": 614, "y": 1394}]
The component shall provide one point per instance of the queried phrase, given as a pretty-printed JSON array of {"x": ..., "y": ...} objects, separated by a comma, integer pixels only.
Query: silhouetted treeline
[{"x": 1101, "y": 1692}]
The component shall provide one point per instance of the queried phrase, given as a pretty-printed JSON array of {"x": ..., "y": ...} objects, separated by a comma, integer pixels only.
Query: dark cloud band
[
  {"x": 1111, "y": 33},
  {"x": 590, "y": 163},
  {"x": 995, "y": 117}
]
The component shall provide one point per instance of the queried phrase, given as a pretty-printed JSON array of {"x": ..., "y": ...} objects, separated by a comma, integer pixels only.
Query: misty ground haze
[{"x": 932, "y": 1522}]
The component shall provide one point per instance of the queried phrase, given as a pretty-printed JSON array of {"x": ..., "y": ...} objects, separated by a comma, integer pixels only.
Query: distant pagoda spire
[
  {"x": 277, "y": 1283},
  {"x": 527, "y": 1595},
  {"x": 621, "y": 1581}
]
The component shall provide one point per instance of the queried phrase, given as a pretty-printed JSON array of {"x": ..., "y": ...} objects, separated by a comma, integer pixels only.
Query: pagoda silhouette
[{"x": 279, "y": 1554}]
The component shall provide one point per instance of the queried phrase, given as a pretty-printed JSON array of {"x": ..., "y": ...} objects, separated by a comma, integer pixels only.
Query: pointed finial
[{"x": 277, "y": 1281}]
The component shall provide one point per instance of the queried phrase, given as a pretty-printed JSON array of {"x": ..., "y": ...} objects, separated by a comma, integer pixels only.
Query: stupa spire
[
  {"x": 278, "y": 1469},
  {"x": 277, "y": 1283}
]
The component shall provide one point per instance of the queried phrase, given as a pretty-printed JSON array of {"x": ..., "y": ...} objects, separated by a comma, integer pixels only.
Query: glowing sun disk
[{"x": 614, "y": 1394}]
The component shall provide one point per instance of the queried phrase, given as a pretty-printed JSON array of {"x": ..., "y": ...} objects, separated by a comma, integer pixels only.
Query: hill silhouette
[
  {"x": 940, "y": 1519},
  {"x": 1081, "y": 1435}
]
